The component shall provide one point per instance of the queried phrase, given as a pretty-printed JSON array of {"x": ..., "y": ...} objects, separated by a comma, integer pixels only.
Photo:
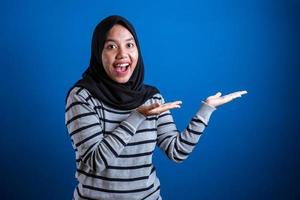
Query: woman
[{"x": 115, "y": 120}]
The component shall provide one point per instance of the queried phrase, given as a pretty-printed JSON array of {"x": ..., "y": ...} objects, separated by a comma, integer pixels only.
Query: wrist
[{"x": 209, "y": 103}]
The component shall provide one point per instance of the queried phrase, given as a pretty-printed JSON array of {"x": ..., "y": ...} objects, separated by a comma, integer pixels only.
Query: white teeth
[{"x": 122, "y": 65}]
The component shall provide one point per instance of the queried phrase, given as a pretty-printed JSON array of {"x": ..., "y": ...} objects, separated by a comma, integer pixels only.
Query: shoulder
[
  {"x": 156, "y": 98},
  {"x": 78, "y": 94}
]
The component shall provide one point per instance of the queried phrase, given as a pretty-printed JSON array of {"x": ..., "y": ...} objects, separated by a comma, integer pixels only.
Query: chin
[{"x": 122, "y": 80}]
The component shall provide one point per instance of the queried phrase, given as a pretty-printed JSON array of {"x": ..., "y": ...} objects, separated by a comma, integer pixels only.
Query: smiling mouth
[{"x": 121, "y": 68}]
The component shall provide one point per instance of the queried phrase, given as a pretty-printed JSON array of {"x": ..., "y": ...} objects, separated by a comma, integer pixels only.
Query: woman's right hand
[{"x": 156, "y": 108}]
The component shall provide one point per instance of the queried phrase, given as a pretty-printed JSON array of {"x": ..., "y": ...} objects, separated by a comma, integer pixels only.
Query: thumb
[
  {"x": 218, "y": 94},
  {"x": 152, "y": 106}
]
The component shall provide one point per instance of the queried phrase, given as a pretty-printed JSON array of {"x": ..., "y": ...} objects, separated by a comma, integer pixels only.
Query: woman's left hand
[{"x": 217, "y": 100}]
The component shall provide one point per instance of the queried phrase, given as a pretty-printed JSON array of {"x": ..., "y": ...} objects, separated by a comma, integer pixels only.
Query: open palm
[{"x": 217, "y": 99}]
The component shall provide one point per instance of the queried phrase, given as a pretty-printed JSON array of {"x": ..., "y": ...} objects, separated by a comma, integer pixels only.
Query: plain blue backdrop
[{"x": 191, "y": 49}]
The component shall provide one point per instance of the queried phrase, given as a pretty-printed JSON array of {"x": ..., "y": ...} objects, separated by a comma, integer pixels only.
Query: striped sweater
[{"x": 114, "y": 148}]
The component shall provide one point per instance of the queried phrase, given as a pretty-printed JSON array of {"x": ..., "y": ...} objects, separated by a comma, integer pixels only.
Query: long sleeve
[
  {"x": 178, "y": 145},
  {"x": 85, "y": 128}
]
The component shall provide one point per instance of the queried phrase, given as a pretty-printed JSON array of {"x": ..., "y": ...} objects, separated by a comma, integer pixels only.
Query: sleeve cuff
[
  {"x": 205, "y": 112},
  {"x": 135, "y": 119}
]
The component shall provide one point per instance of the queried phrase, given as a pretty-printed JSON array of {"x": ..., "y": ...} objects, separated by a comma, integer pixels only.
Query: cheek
[
  {"x": 105, "y": 61},
  {"x": 135, "y": 57}
]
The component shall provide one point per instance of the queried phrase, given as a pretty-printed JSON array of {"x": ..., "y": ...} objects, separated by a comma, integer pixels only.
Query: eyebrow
[{"x": 112, "y": 40}]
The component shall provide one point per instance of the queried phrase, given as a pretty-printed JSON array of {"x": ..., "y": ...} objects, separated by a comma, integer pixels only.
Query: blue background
[{"x": 191, "y": 50}]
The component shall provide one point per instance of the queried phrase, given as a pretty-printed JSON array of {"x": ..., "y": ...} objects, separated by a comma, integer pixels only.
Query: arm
[
  {"x": 85, "y": 130},
  {"x": 178, "y": 146}
]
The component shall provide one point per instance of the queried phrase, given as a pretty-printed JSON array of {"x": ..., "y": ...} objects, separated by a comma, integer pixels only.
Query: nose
[{"x": 121, "y": 53}]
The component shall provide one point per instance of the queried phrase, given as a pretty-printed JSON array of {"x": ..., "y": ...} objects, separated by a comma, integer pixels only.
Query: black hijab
[{"x": 125, "y": 96}]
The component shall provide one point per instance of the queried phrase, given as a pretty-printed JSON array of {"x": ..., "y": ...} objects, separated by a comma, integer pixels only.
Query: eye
[
  {"x": 130, "y": 45},
  {"x": 111, "y": 46}
]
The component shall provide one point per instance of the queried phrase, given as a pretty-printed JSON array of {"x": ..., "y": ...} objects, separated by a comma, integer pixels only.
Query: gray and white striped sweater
[{"x": 114, "y": 148}]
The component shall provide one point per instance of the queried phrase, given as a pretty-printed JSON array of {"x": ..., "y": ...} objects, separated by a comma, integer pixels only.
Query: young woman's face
[{"x": 120, "y": 54}]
